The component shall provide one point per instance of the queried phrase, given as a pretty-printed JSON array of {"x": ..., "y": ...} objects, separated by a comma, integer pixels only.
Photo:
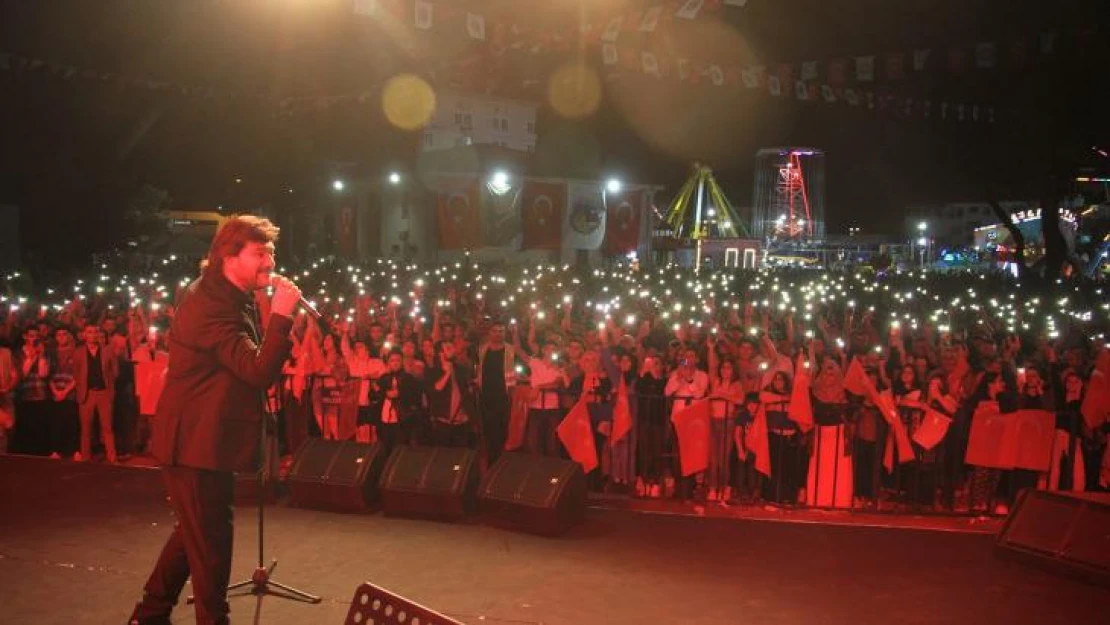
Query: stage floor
[{"x": 77, "y": 540}]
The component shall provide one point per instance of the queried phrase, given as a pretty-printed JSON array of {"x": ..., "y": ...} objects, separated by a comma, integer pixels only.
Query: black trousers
[
  {"x": 495, "y": 424},
  {"x": 200, "y": 545}
]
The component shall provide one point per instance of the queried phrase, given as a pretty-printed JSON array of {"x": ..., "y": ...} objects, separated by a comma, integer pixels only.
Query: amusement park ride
[{"x": 787, "y": 211}]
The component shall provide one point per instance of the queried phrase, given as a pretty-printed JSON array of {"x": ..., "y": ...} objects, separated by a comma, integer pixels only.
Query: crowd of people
[{"x": 777, "y": 387}]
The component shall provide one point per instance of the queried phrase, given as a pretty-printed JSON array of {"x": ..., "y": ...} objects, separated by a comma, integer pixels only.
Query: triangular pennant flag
[
  {"x": 984, "y": 55},
  {"x": 927, "y": 108},
  {"x": 609, "y": 54},
  {"x": 851, "y": 97},
  {"x": 716, "y": 75},
  {"x": 476, "y": 26},
  {"x": 689, "y": 9},
  {"x": 750, "y": 76},
  {"x": 957, "y": 59},
  {"x": 838, "y": 69},
  {"x": 870, "y": 100},
  {"x": 960, "y": 112},
  {"x": 990, "y": 114},
  {"x": 774, "y": 87},
  {"x": 895, "y": 67},
  {"x": 1019, "y": 51},
  {"x": 365, "y": 7},
  {"x": 920, "y": 57},
  {"x": 907, "y": 107},
  {"x": 975, "y": 113},
  {"x": 422, "y": 14},
  {"x": 612, "y": 29},
  {"x": 944, "y": 111},
  {"x": 650, "y": 63},
  {"x": 1048, "y": 43},
  {"x": 800, "y": 90},
  {"x": 650, "y": 19},
  {"x": 865, "y": 68},
  {"x": 683, "y": 66},
  {"x": 828, "y": 94},
  {"x": 809, "y": 70}
]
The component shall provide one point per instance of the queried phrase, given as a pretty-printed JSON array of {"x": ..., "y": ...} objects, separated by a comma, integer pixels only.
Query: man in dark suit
[
  {"x": 397, "y": 404},
  {"x": 208, "y": 420},
  {"x": 95, "y": 369}
]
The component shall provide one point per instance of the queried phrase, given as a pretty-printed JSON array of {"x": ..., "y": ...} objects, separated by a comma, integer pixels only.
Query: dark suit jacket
[
  {"x": 210, "y": 412},
  {"x": 409, "y": 400},
  {"x": 109, "y": 366}
]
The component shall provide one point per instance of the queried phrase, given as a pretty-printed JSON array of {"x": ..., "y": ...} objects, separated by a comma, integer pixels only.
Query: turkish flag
[
  {"x": 800, "y": 408},
  {"x": 518, "y": 416},
  {"x": 347, "y": 234},
  {"x": 622, "y": 227},
  {"x": 457, "y": 210},
  {"x": 542, "y": 206},
  {"x": 622, "y": 414},
  {"x": 838, "y": 69},
  {"x": 988, "y": 444},
  {"x": 691, "y": 426},
  {"x": 577, "y": 435}
]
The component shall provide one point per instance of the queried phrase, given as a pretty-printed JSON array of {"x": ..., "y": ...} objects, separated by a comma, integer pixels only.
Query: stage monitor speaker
[
  {"x": 376, "y": 606},
  {"x": 429, "y": 482},
  {"x": 533, "y": 493},
  {"x": 335, "y": 475},
  {"x": 1066, "y": 532}
]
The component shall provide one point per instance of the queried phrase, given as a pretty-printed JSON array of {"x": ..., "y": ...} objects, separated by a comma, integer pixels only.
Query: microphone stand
[{"x": 260, "y": 581}]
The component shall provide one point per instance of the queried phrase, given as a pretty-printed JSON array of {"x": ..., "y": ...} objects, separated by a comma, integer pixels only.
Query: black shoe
[{"x": 148, "y": 620}]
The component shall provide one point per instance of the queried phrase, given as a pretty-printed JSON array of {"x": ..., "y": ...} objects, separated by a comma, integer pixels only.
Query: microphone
[{"x": 306, "y": 306}]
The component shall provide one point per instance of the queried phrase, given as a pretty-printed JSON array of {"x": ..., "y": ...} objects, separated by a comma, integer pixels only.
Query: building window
[
  {"x": 504, "y": 124},
  {"x": 463, "y": 120},
  {"x": 530, "y": 127},
  {"x": 429, "y": 140}
]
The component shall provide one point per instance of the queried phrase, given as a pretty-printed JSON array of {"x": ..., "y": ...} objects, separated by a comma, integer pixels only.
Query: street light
[
  {"x": 613, "y": 185},
  {"x": 394, "y": 178},
  {"x": 921, "y": 226},
  {"x": 338, "y": 185}
]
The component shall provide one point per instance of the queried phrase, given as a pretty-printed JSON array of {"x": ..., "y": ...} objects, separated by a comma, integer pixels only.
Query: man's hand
[{"x": 286, "y": 296}]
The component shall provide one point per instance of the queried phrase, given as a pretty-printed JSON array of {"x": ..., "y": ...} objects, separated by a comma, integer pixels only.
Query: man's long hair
[{"x": 234, "y": 234}]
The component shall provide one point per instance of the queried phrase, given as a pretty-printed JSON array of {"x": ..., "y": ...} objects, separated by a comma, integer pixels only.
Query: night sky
[{"x": 74, "y": 151}]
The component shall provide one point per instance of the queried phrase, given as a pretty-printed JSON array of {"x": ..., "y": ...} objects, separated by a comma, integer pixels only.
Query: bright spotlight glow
[
  {"x": 922, "y": 241},
  {"x": 922, "y": 226},
  {"x": 613, "y": 185},
  {"x": 500, "y": 178},
  {"x": 394, "y": 178},
  {"x": 338, "y": 185}
]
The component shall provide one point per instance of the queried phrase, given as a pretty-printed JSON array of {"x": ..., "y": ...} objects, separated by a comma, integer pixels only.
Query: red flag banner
[
  {"x": 753, "y": 440},
  {"x": 578, "y": 437},
  {"x": 518, "y": 416},
  {"x": 542, "y": 205},
  {"x": 1096, "y": 402},
  {"x": 459, "y": 225},
  {"x": 838, "y": 70},
  {"x": 622, "y": 414},
  {"x": 347, "y": 232},
  {"x": 622, "y": 227},
  {"x": 691, "y": 426},
  {"x": 1033, "y": 432},
  {"x": 800, "y": 409},
  {"x": 1016, "y": 440},
  {"x": 855, "y": 379}
]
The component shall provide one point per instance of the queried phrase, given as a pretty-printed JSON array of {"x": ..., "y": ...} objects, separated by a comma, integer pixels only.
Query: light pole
[{"x": 922, "y": 240}]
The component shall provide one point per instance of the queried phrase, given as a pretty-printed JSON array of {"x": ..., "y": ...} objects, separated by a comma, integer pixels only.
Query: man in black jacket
[
  {"x": 208, "y": 420},
  {"x": 450, "y": 391},
  {"x": 396, "y": 406}
]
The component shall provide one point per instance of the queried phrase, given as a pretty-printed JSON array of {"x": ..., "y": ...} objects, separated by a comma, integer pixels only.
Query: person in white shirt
[
  {"x": 686, "y": 384},
  {"x": 548, "y": 379},
  {"x": 363, "y": 366}
]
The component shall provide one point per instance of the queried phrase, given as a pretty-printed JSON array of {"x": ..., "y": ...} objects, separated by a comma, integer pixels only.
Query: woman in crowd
[{"x": 829, "y": 481}]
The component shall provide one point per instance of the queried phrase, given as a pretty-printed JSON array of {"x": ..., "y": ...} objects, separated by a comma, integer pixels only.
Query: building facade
[{"x": 463, "y": 119}]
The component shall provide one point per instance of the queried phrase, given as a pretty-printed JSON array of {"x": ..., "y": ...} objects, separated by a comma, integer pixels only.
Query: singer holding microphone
[{"x": 208, "y": 420}]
